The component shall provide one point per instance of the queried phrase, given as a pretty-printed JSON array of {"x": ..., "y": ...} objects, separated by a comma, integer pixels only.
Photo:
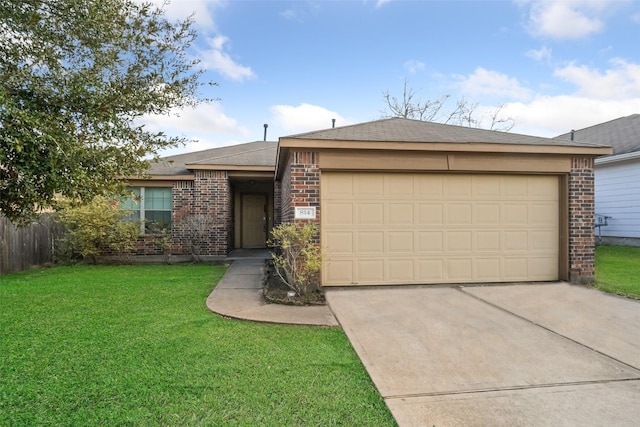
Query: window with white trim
[{"x": 152, "y": 205}]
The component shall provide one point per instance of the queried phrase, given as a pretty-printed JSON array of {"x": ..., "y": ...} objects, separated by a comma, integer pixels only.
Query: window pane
[
  {"x": 157, "y": 222},
  {"x": 132, "y": 202},
  {"x": 157, "y": 199}
]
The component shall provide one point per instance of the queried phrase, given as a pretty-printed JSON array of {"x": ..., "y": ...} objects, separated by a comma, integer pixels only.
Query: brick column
[
  {"x": 212, "y": 197},
  {"x": 581, "y": 220},
  {"x": 301, "y": 184}
]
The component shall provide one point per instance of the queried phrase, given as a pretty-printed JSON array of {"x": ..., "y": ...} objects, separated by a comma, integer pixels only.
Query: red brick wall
[
  {"x": 581, "y": 220},
  {"x": 208, "y": 194},
  {"x": 301, "y": 184}
]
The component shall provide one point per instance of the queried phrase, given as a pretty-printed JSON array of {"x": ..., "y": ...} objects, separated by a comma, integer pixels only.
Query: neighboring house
[
  {"x": 400, "y": 201},
  {"x": 617, "y": 179}
]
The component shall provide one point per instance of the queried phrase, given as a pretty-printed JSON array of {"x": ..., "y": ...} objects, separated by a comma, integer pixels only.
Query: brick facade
[
  {"x": 200, "y": 207},
  {"x": 301, "y": 184},
  {"x": 581, "y": 220}
]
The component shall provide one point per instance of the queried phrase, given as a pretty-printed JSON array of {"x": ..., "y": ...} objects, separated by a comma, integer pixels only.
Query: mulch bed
[{"x": 275, "y": 292}]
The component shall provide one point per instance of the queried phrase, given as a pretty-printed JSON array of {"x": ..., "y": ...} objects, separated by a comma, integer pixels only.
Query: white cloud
[
  {"x": 622, "y": 81},
  {"x": 555, "y": 115},
  {"x": 485, "y": 82},
  {"x": 204, "y": 119},
  {"x": 380, "y": 3},
  {"x": 544, "y": 53},
  {"x": 598, "y": 96},
  {"x": 291, "y": 15},
  {"x": 217, "y": 59},
  {"x": 305, "y": 117},
  {"x": 567, "y": 19},
  {"x": 202, "y": 10},
  {"x": 414, "y": 66}
]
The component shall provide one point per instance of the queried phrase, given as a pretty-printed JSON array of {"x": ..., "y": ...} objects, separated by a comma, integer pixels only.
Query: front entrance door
[{"x": 254, "y": 220}]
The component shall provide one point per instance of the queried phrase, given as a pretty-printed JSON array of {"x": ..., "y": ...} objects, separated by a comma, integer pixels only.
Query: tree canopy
[{"x": 75, "y": 78}]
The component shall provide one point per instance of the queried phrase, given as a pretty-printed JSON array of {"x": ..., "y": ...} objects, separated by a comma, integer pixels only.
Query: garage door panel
[
  {"x": 369, "y": 185},
  {"x": 430, "y": 270},
  {"x": 399, "y": 213},
  {"x": 399, "y": 270},
  {"x": 486, "y": 187},
  {"x": 515, "y": 214},
  {"x": 369, "y": 214},
  {"x": 370, "y": 242},
  {"x": 515, "y": 240},
  {"x": 340, "y": 242},
  {"x": 487, "y": 241},
  {"x": 488, "y": 269},
  {"x": 458, "y": 187},
  {"x": 458, "y": 241},
  {"x": 370, "y": 271},
  {"x": 337, "y": 213},
  {"x": 339, "y": 272},
  {"x": 428, "y": 186},
  {"x": 541, "y": 267},
  {"x": 515, "y": 187},
  {"x": 400, "y": 241},
  {"x": 459, "y": 270},
  {"x": 430, "y": 241},
  {"x": 439, "y": 228},
  {"x": 340, "y": 187},
  {"x": 486, "y": 213},
  {"x": 459, "y": 213},
  {"x": 430, "y": 214},
  {"x": 399, "y": 186},
  {"x": 542, "y": 214}
]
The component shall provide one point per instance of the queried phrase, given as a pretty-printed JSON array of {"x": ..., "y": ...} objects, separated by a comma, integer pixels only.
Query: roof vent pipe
[
  {"x": 333, "y": 123},
  {"x": 572, "y": 133},
  {"x": 265, "y": 131}
]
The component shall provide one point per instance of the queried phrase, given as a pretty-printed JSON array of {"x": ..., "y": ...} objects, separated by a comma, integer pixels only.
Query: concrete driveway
[{"x": 543, "y": 354}]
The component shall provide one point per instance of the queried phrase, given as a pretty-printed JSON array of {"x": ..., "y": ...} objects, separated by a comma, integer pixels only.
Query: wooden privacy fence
[{"x": 24, "y": 247}]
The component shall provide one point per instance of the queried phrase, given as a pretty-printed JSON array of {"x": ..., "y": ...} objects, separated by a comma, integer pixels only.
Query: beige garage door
[{"x": 396, "y": 228}]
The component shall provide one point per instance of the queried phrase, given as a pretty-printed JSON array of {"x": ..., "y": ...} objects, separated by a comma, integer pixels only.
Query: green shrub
[
  {"x": 299, "y": 258},
  {"x": 85, "y": 231}
]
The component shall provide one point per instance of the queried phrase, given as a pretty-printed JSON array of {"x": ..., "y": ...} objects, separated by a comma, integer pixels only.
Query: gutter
[{"x": 617, "y": 158}]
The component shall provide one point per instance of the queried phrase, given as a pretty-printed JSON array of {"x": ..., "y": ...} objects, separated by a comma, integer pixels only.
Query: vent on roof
[{"x": 265, "y": 131}]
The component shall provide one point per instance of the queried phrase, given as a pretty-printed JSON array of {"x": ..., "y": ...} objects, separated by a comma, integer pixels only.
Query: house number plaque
[{"x": 307, "y": 212}]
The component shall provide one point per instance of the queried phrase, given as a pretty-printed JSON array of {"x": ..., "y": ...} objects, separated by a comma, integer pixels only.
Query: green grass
[
  {"x": 136, "y": 345},
  {"x": 618, "y": 270}
]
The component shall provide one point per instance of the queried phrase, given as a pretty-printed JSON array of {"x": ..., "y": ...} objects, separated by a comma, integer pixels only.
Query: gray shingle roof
[
  {"x": 622, "y": 134},
  {"x": 259, "y": 153},
  {"x": 406, "y": 130}
]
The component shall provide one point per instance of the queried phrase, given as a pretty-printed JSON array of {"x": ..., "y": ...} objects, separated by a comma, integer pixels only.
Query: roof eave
[
  {"x": 617, "y": 158},
  {"x": 315, "y": 144}
]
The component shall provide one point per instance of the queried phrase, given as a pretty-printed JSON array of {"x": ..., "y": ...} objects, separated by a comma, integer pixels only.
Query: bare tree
[{"x": 465, "y": 113}]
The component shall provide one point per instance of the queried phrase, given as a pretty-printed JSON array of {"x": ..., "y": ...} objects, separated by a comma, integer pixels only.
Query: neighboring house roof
[
  {"x": 406, "y": 130},
  {"x": 259, "y": 154},
  {"x": 622, "y": 134}
]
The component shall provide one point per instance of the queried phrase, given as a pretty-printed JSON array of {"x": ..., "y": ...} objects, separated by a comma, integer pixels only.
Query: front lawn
[
  {"x": 136, "y": 345},
  {"x": 618, "y": 270}
]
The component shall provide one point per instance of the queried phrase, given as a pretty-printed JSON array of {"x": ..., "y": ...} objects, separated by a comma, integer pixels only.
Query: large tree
[
  {"x": 75, "y": 78},
  {"x": 463, "y": 113}
]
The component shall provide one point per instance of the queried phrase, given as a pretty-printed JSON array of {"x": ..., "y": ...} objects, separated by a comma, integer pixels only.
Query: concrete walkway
[
  {"x": 517, "y": 355},
  {"x": 239, "y": 295}
]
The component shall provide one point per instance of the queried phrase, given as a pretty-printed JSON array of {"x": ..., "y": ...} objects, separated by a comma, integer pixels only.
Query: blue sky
[{"x": 553, "y": 65}]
